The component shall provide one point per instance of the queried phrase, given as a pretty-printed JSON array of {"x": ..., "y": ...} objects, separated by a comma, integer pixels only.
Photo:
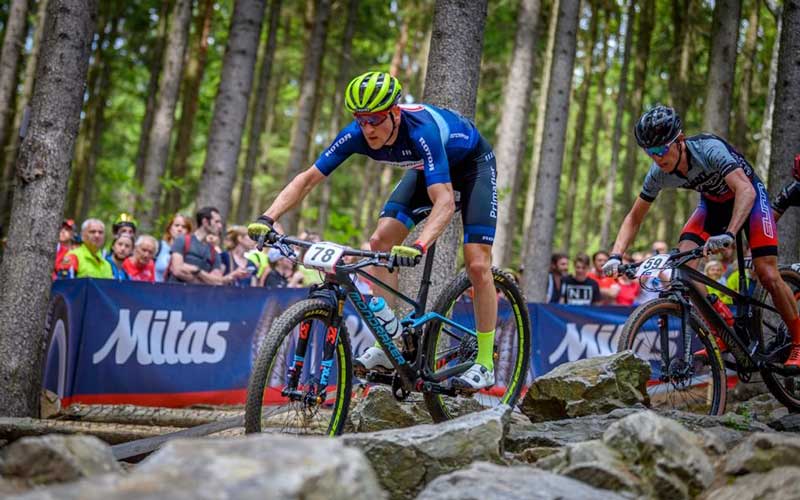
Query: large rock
[
  {"x": 484, "y": 480},
  {"x": 522, "y": 436},
  {"x": 380, "y": 410},
  {"x": 56, "y": 458},
  {"x": 782, "y": 483},
  {"x": 786, "y": 423},
  {"x": 405, "y": 460},
  {"x": 762, "y": 452},
  {"x": 669, "y": 457},
  {"x": 253, "y": 467},
  {"x": 588, "y": 386},
  {"x": 593, "y": 463}
]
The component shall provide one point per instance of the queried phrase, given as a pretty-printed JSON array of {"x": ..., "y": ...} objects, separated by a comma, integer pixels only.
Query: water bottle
[
  {"x": 722, "y": 309},
  {"x": 389, "y": 321}
]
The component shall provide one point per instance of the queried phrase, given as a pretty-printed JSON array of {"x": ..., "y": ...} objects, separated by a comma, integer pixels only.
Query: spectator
[
  {"x": 86, "y": 261},
  {"x": 609, "y": 288},
  {"x": 559, "y": 268},
  {"x": 235, "y": 257},
  {"x": 193, "y": 260},
  {"x": 125, "y": 224},
  {"x": 178, "y": 225},
  {"x": 660, "y": 247},
  {"x": 121, "y": 249},
  {"x": 310, "y": 276},
  {"x": 66, "y": 242},
  {"x": 282, "y": 272},
  {"x": 628, "y": 291},
  {"x": 580, "y": 289},
  {"x": 140, "y": 266}
]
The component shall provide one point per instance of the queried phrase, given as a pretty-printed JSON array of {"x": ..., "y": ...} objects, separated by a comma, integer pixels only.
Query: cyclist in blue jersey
[
  {"x": 732, "y": 197},
  {"x": 447, "y": 162}
]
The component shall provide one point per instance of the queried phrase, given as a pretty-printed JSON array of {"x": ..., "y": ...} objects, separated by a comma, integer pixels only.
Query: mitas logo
[{"x": 162, "y": 337}]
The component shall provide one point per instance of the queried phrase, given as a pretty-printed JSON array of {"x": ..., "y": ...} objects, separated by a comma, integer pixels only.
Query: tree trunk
[
  {"x": 721, "y": 66},
  {"x": 13, "y": 43},
  {"x": 155, "y": 163},
  {"x": 192, "y": 78},
  {"x": 765, "y": 143},
  {"x": 590, "y": 215},
  {"x": 23, "y": 109},
  {"x": 540, "y": 237},
  {"x": 98, "y": 103},
  {"x": 644, "y": 32},
  {"x": 580, "y": 126},
  {"x": 740, "y": 126},
  {"x": 298, "y": 150},
  {"x": 538, "y": 133},
  {"x": 616, "y": 144},
  {"x": 258, "y": 117},
  {"x": 345, "y": 64},
  {"x": 785, "y": 130},
  {"x": 513, "y": 129},
  {"x": 41, "y": 183},
  {"x": 156, "y": 53},
  {"x": 451, "y": 81}
]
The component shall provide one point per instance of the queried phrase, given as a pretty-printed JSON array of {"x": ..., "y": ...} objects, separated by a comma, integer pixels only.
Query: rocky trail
[{"x": 582, "y": 431}]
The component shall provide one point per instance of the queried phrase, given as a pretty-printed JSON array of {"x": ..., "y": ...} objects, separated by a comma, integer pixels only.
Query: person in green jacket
[{"x": 86, "y": 261}]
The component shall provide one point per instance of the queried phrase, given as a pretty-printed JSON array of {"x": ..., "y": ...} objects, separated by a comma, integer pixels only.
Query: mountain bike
[
  {"x": 668, "y": 332},
  {"x": 302, "y": 380}
]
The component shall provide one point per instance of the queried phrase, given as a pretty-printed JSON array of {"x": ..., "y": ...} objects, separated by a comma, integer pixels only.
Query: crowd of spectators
[
  {"x": 587, "y": 285},
  {"x": 189, "y": 251}
]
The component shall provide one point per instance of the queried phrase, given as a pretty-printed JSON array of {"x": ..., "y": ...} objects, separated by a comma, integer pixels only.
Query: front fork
[
  {"x": 663, "y": 337},
  {"x": 317, "y": 392}
]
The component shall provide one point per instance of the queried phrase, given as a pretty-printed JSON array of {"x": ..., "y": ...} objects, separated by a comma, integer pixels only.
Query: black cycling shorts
[{"x": 475, "y": 186}]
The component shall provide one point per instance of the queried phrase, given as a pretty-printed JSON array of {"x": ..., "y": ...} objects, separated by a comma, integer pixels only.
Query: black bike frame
[{"x": 738, "y": 335}]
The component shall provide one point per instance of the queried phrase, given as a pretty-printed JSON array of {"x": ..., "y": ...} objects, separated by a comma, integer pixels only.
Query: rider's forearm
[
  {"x": 290, "y": 196},
  {"x": 742, "y": 206},
  {"x": 440, "y": 217},
  {"x": 627, "y": 232}
]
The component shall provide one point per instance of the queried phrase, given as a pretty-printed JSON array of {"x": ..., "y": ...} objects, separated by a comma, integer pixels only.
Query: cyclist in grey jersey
[{"x": 732, "y": 197}]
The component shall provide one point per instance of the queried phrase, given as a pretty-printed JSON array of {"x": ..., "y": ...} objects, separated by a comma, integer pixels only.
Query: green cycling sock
[{"x": 486, "y": 350}]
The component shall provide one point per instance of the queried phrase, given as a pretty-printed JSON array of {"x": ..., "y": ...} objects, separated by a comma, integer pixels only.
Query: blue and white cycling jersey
[{"x": 430, "y": 139}]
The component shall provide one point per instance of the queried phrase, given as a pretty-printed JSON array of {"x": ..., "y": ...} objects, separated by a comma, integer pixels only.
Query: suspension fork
[
  {"x": 329, "y": 348},
  {"x": 300, "y": 354}
]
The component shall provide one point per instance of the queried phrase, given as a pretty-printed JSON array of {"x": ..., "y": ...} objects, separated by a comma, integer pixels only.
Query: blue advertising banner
[{"x": 176, "y": 345}]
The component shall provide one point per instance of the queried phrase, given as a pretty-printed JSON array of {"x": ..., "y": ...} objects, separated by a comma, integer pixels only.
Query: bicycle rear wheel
[
  {"x": 775, "y": 336},
  {"x": 698, "y": 386},
  {"x": 277, "y": 401},
  {"x": 445, "y": 346}
]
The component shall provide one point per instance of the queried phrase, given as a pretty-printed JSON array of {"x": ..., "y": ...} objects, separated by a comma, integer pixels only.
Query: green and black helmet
[{"x": 373, "y": 91}]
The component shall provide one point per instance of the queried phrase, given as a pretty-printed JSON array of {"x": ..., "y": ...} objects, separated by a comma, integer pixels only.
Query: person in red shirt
[
  {"x": 609, "y": 288},
  {"x": 66, "y": 241},
  {"x": 140, "y": 266}
]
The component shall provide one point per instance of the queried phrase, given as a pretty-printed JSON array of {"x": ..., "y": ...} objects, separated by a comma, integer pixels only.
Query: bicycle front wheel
[
  {"x": 775, "y": 337},
  {"x": 281, "y": 398},
  {"x": 697, "y": 386},
  {"x": 446, "y": 346}
]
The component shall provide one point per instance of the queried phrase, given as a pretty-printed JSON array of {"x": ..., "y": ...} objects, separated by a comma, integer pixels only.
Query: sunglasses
[
  {"x": 660, "y": 150},
  {"x": 373, "y": 119}
]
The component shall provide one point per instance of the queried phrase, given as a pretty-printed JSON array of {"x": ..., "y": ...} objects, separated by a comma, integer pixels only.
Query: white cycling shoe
[
  {"x": 372, "y": 359},
  {"x": 476, "y": 378}
]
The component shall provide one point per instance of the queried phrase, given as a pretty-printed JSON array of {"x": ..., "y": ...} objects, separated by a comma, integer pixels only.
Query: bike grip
[{"x": 260, "y": 242}]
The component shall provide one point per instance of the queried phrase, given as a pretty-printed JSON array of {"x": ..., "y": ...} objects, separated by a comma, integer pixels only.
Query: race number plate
[
  {"x": 652, "y": 266},
  {"x": 323, "y": 256},
  {"x": 796, "y": 267}
]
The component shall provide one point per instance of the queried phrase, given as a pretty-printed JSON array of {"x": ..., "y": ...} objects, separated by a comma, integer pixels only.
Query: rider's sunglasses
[
  {"x": 373, "y": 119},
  {"x": 660, "y": 150}
]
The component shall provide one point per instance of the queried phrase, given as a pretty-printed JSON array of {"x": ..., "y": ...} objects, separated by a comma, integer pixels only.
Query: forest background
[{"x": 147, "y": 144}]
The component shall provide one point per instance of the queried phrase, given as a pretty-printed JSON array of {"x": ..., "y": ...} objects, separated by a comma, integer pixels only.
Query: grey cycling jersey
[{"x": 710, "y": 160}]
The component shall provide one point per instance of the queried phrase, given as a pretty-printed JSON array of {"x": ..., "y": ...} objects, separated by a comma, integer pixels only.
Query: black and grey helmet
[{"x": 657, "y": 127}]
